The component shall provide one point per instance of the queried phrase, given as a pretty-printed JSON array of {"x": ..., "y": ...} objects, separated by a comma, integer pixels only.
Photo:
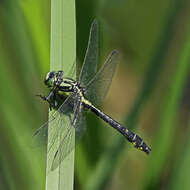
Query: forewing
[
  {"x": 91, "y": 58},
  {"x": 41, "y": 134},
  {"x": 98, "y": 87},
  {"x": 80, "y": 126},
  {"x": 71, "y": 139},
  {"x": 71, "y": 71},
  {"x": 61, "y": 128}
]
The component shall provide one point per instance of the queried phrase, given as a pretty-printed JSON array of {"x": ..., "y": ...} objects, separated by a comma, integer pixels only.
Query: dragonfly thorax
[
  {"x": 68, "y": 84},
  {"x": 55, "y": 80}
]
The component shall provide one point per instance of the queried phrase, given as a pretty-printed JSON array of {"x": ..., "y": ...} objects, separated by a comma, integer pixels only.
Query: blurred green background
[{"x": 149, "y": 94}]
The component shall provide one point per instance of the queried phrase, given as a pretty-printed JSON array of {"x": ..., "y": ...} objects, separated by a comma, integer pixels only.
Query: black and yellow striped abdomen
[{"x": 131, "y": 137}]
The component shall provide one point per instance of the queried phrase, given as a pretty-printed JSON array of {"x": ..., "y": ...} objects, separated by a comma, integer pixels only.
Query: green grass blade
[
  {"x": 107, "y": 164},
  {"x": 16, "y": 153},
  {"x": 33, "y": 12},
  {"x": 180, "y": 177},
  {"x": 18, "y": 110},
  {"x": 63, "y": 49},
  {"x": 164, "y": 140}
]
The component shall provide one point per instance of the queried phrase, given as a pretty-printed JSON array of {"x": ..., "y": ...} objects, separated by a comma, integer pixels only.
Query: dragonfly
[{"x": 70, "y": 99}]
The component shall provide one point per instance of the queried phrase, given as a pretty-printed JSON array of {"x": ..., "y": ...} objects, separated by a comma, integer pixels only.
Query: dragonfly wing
[
  {"x": 80, "y": 126},
  {"x": 91, "y": 58},
  {"x": 41, "y": 134},
  {"x": 57, "y": 155},
  {"x": 68, "y": 143},
  {"x": 61, "y": 128},
  {"x": 71, "y": 71},
  {"x": 100, "y": 84}
]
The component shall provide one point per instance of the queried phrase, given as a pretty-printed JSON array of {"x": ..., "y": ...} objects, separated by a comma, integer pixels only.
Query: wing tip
[{"x": 95, "y": 22}]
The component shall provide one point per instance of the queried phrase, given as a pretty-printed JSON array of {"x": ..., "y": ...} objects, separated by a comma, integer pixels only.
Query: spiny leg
[{"x": 48, "y": 99}]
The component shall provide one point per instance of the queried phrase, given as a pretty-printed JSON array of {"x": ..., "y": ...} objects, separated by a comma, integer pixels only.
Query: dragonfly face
[
  {"x": 55, "y": 79},
  {"x": 51, "y": 78}
]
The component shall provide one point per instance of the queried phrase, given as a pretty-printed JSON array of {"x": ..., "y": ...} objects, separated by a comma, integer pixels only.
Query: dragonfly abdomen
[
  {"x": 135, "y": 140},
  {"x": 131, "y": 137}
]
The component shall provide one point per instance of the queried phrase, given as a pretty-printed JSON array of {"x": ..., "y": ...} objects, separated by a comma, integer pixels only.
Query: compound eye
[
  {"x": 60, "y": 72},
  {"x": 49, "y": 79},
  {"x": 50, "y": 75}
]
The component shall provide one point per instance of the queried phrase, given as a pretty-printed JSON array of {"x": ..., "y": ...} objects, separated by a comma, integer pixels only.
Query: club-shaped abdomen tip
[
  {"x": 143, "y": 147},
  {"x": 147, "y": 150}
]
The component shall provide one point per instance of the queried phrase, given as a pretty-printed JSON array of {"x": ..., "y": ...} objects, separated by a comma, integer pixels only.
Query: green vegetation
[
  {"x": 63, "y": 56},
  {"x": 149, "y": 94}
]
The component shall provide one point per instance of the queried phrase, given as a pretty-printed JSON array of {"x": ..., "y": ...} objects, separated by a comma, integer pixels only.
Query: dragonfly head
[{"x": 53, "y": 77}]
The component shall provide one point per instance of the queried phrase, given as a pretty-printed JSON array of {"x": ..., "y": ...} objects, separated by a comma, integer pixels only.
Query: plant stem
[{"x": 63, "y": 55}]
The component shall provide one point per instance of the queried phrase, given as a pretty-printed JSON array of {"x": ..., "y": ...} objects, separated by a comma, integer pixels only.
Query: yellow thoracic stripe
[{"x": 83, "y": 99}]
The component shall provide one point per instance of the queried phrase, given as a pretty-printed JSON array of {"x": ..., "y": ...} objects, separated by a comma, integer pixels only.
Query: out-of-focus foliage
[{"x": 149, "y": 94}]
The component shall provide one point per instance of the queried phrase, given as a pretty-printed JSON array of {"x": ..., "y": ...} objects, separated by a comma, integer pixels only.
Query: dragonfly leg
[
  {"x": 48, "y": 97},
  {"x": 54, "y": 100}
]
